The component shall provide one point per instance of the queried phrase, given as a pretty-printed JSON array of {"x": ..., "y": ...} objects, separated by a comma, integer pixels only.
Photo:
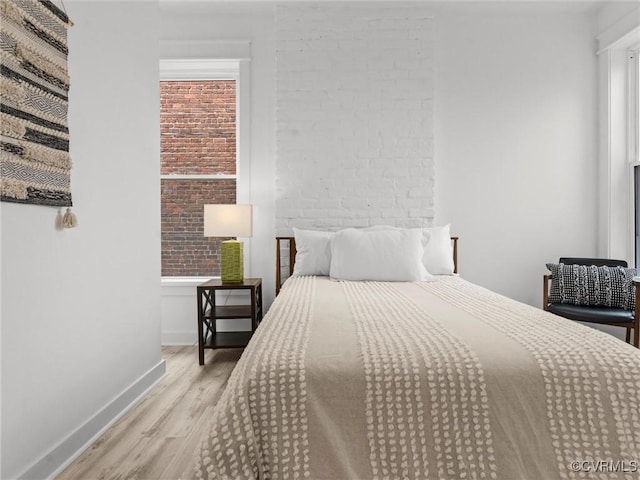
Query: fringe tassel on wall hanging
[{"x": 69, "y": 219}]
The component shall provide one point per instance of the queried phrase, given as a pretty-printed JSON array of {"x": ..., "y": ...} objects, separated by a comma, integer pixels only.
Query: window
[
  {"x": 618, "y": 140},
  {"x": 633, "y": 122},
  {"x": 198, "y": 141}
]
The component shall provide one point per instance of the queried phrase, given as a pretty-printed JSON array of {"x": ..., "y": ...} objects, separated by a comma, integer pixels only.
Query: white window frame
[
  {"x": 633, "y": 96},
  {"x": 633, "y": 140},
  {"x": 179, "y": 69}
]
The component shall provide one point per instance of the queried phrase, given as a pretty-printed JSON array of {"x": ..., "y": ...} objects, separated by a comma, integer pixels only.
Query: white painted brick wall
[{"x": 354, "y": 127}]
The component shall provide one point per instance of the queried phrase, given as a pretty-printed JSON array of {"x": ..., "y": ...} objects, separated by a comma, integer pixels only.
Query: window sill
[
  {"x": 186, "y": 287},
  {"x": 184, "y": 281}
]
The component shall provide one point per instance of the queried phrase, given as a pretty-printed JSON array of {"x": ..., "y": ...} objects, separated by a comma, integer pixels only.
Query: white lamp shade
[{"x": 228, "y": 220}]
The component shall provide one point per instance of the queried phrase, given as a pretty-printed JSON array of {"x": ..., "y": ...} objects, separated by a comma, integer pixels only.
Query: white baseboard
[{"x": 52, "y": 463}]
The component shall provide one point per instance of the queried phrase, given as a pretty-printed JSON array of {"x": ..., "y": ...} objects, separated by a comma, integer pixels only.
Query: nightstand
[{"x": 209, "y": 313}]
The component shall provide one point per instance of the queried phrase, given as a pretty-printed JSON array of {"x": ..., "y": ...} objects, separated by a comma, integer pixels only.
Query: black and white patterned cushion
[{"x": 592, "y": 285}]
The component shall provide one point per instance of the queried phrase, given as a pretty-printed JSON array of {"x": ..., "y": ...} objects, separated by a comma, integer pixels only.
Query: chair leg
[
  {"x": 628, "y": 337},
  {"x": 636, "y": 337}
]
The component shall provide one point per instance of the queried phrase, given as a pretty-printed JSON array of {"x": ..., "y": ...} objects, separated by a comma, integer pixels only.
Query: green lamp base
[{"x": 231, "y": 262}]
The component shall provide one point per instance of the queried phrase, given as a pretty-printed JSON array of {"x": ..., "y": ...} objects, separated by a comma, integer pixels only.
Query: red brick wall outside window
[{"x": 197, "y": 137}]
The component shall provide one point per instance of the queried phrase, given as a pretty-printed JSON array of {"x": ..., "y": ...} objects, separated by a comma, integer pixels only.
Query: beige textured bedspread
[{"x": 434, "y": 380}]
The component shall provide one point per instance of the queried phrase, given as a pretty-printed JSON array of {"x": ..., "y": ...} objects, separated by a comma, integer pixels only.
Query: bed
[{"x": 438, "y": 379}]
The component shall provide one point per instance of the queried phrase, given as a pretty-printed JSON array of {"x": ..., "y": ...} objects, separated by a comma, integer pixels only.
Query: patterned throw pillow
[{"x": 592, "y": 285}]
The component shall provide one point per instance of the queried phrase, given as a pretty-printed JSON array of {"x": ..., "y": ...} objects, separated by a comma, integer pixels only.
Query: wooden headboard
[{"x": 291, "y": 241}]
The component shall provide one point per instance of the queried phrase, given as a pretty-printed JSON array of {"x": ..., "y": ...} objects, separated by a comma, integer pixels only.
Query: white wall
[
  {"x": 515, "y": 138},
  {"x": 81, "y": 307},
  {"x": 354, "y": 121},
  {"x": 614, "y": 12}
]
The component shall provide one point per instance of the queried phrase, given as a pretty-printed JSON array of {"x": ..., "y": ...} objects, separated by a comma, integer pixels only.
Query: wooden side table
[{"x": 209, "y": 313}]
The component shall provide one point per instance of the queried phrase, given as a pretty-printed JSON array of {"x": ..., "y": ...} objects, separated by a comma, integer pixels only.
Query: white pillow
[
  {"x": 438, "y": 251},
  {"x": 380, "y": 255},
  {"x": 313, "y": 252}
]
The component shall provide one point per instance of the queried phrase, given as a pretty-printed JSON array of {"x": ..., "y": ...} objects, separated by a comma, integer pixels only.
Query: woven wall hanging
[{"x": 35, "y": 166}]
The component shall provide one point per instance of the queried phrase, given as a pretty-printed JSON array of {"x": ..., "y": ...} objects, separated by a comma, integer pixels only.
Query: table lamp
[{"x": 229, "y": 221}]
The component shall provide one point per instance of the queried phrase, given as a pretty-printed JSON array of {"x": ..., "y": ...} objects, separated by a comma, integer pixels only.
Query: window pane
[
  {"x": 198, "y": 137},
  {"x": 185, "y": 251},
  {"x": 198, "y": 127}
]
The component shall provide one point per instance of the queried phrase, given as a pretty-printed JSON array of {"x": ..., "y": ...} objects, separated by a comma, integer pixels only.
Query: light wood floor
[{"x": 158, "y": 437}]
